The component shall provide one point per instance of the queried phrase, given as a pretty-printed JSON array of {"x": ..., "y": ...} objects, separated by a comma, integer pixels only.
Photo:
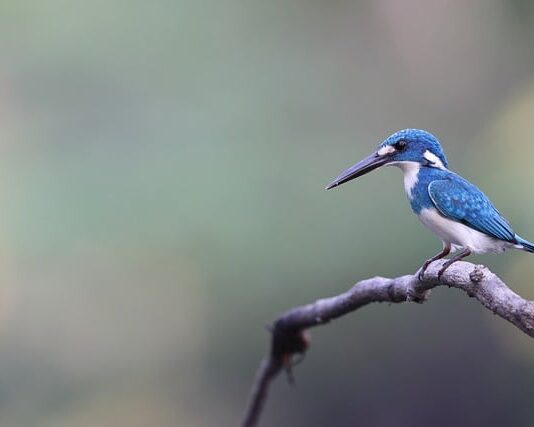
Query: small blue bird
[{"x": 449, "y": 205}]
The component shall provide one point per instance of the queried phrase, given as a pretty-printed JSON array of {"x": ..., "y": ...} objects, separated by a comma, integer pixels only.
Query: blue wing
[{"x": 460, "y": 200}]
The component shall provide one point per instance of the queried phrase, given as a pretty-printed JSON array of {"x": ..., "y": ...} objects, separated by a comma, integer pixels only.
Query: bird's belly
[{"x": 460, "y": 235}]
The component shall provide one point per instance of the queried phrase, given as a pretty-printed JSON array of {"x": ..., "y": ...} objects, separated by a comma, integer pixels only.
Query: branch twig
[{"x": 289, "y": 330}]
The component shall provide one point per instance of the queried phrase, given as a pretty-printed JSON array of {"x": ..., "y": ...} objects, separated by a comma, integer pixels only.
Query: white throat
[{"x": 411, "y": 171}]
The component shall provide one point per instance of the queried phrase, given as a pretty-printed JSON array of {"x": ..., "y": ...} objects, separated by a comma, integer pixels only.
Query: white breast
[{"x": 460, "y": 235}]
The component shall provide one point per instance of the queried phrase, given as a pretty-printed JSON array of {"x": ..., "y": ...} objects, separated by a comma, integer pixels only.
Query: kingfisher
[{"x": 450, "y": 206}]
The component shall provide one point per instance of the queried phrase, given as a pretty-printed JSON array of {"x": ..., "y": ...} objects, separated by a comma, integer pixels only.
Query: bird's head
[{"x": 404, "y": 147}]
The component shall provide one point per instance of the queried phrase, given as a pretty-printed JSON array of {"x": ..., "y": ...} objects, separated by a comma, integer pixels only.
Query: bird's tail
[{"x": 525, "y": 245}]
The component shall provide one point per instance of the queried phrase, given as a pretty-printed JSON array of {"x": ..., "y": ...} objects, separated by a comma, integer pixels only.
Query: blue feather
[
  {"x": 458, "y": 199},
  {"x": 450, "y": 206},
  {"x": 453, "y": 208},
  {"x": 529, "y": 247},
  {"x": 420, "y": 198}
]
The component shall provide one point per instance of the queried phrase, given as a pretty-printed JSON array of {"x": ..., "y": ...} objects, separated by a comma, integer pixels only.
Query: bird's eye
[{"x": 400, "y": 145}]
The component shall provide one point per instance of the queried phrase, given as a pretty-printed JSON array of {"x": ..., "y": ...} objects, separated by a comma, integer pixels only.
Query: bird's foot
[
  {"x": 460, "y": 256},
  {"x": 422, "y": 271},
  {"x": 421, "y": 274},
  {"x": 445, "y": 267},
  {"x": 442, "y": 270}
]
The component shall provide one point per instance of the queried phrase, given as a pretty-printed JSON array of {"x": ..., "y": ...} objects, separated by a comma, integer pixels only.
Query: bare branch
[{"x": 289, "y": 330}]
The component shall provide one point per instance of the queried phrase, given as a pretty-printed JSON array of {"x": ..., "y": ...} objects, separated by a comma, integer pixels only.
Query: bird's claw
[
  {"x": 442, "y": 270},
  {"x": 421, "y": 275},
  {"x": 422, "y": 271}
]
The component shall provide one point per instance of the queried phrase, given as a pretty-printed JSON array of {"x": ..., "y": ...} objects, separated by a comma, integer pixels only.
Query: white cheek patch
[
  {"x": 432, "y": 158},
  {"x": 385, "y": 150}
]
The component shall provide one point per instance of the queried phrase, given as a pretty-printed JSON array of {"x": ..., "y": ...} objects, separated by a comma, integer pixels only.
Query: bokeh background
[{"x": 162, "y": 167}]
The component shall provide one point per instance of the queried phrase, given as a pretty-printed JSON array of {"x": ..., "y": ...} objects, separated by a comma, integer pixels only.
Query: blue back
[{"x": 459, "y": 200}]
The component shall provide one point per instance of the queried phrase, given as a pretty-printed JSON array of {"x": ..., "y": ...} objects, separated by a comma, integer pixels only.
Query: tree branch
[{"x": 289, "y": 336}]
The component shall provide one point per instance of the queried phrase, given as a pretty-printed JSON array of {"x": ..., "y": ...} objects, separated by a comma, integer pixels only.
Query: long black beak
[{"x": 361, "y": 168}]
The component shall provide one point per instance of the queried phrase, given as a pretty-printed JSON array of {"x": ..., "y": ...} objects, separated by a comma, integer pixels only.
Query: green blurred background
[{"x": 162, "y": 167}]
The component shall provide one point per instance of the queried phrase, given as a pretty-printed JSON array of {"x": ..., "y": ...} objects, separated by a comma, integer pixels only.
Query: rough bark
[{"x": 289, "y": 331}]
